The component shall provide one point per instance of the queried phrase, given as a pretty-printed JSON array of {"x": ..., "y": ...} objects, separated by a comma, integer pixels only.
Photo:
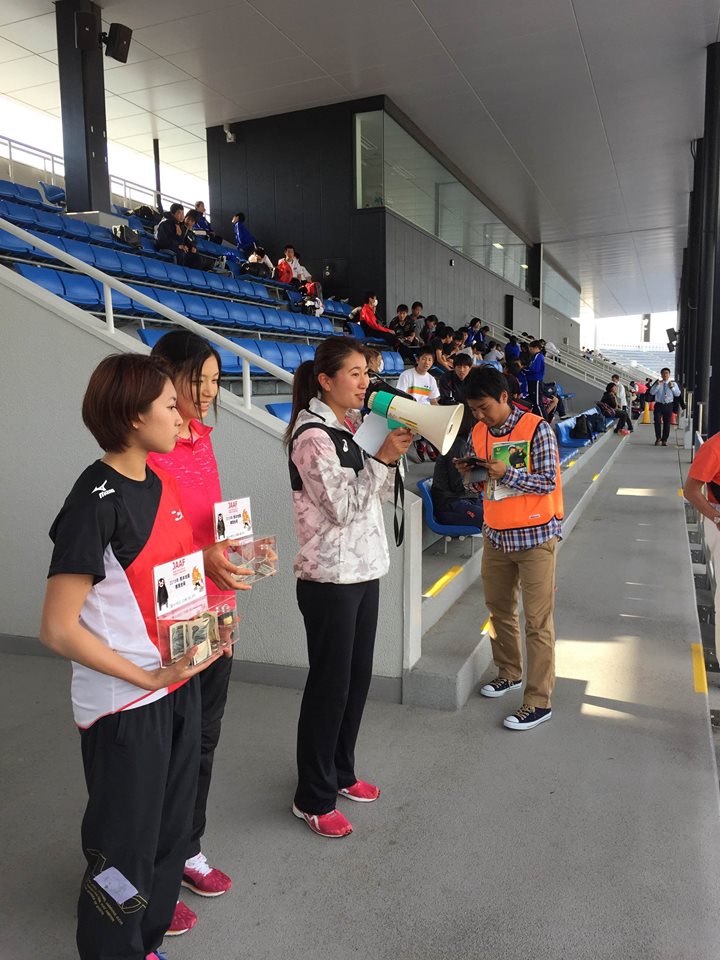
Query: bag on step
[{"x": 581, "y": 430}]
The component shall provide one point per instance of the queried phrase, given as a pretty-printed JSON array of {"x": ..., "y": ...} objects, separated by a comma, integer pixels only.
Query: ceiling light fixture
[
  {"x": 523, "y": 266},
  {"x": 498, "y": 246}
]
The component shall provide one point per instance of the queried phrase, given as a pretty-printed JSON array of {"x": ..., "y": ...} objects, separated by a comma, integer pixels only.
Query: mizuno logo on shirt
[{"x": 101, "y": 491}]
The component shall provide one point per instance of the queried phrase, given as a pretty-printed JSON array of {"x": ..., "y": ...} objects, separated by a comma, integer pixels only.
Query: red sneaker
[
  {"x": 361, "y": 792},
  {"x": 183, "y": 920},
  {"x": 332, "y": 825},
  {"x": 203, "y": 879}
]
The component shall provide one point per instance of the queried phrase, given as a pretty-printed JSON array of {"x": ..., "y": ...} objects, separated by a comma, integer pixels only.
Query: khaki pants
[{"x": 503, "y": 575}]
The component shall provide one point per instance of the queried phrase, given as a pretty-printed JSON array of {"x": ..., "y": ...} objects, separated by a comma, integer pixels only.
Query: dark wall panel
[
  {"x": 418, "y": 268},
  {"x": 293, "y": 177}
]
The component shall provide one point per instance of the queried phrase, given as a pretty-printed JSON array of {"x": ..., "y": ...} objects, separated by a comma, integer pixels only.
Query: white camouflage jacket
[{"x": 338, "y": 515}]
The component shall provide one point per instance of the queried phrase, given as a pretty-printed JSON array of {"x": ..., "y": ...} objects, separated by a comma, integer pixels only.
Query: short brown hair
[
  {"x": 121, "y": 387},
  {"x": 371, "y": 352}
]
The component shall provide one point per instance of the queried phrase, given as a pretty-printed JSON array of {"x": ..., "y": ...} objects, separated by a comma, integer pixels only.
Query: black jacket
[
  {"x": 452, "y": 389},
  {"x": 167, "y": 237},
  {"x": 447, "y": 485}
]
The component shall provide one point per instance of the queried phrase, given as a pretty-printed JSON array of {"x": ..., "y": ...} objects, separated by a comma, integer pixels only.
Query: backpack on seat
[
  {"x": 581, "y": 430},
  {"x": 596, "y": 423}
]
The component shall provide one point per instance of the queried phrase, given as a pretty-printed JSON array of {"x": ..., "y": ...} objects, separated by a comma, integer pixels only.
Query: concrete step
[{"x": 454, "y": 659}]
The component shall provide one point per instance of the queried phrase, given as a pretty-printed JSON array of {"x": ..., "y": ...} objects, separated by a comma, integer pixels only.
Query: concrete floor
[{"x": 594, "y": 836}]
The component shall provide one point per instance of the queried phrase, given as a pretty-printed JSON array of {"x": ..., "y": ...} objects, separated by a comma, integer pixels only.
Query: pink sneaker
[
  {"x": 360, "y": 792},
  {"x": 203, "y": 879},
  {"x": 183, "y": 920},
  {"x": 332, "y": 825}
]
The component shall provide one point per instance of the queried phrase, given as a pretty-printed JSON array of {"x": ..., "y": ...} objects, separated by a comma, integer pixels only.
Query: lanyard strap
[{"x": 399, "y": 506}]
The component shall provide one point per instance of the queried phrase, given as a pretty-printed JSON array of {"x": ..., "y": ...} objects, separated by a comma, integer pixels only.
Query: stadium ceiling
[{"x": 574, "y": 117}]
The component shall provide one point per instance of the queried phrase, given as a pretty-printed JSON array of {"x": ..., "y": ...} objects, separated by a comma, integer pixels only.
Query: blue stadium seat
[
  {"x": 301, "y": 323},
  {"x": 151, "y": 292},
  {"x": 245, "y": 290},
  {"x": 12, "y": 246},
  {"x": 285, "y": 322},
  {"x": 50, "y": 222},
  {"x": 327, "y": 326},
  {"x": 120, "y": 301},
  {"x": 237, "y": 314},
  {"x": 77, "y": 229},
  {"x": 294, "y": 298},
  {"x": 314, "y": 326},
  {"x": 81, "y": 290},
  {"x": 50, "y": 238},
  {"x": 291, "y": 358},
  {"x": 20, "y": 214},
  {"x": 107, "y": 260},
  {"x": 230, "y": 286},
  {"x": 101, "y": 235},
  {"x": 254, "y": 315},
  {"x": 217, "y": 311},
  {"x": 194, "y": 307},
  {"x": 197, "y": 280},
  {"x": 393, "y": 362},
  {"x": 214, "y": 282},
  {"x": 177, "y": 275},
  {"x": 270, "y": 351},
  {"x": 280, "y": 410},
  {"x": 272, "y": 319},
  {"x": 562, "y": 431},
  {"x": 132, "y": 266},
  {"x": 53, "y": 193},
  {"x": 151, "y": 337},
  {"x": 357, "y": 331},
  {"x": 230, "y": 363},
  {"x": 306, "y": 350},
  {"x": 262, "y": 293},
  {"x": 43, "y": 276},
  {"x": 83, "y": 251},
  {"x": 156, "y": 270},
  {"x": 254, "y": 347},
  {"x": 168, "y": 298},
  {"x": 32, "y": 196},
  {"x": 444, "y": 529},
  {"x": 8, "y": 190}
]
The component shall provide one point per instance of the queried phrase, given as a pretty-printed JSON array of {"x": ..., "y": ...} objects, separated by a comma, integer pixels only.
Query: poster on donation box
[
  {"x": 233, "y": 520},
  {"x": 178, "y": 583}
]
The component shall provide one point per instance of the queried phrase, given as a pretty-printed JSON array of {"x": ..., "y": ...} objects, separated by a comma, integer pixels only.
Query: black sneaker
[
  {"x": 527, "y": 717},
  {"x": 499, "y": 687}
]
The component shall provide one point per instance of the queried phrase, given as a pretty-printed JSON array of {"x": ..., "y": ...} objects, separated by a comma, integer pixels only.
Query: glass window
[
  {"x": 394, "y": 170},
  {"x": 559, "y": 293}
]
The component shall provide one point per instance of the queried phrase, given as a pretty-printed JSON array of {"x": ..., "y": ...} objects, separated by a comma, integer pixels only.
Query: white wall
[{"x": 49, "y": 350}]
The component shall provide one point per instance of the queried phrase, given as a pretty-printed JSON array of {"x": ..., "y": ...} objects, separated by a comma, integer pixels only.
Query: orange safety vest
[{"x": 527, "y": 509}]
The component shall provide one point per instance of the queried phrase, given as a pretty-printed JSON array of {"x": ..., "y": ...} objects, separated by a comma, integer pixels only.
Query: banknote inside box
[
  {"x": 259, "y": 555},
  {"x": 210, "y": 624}
]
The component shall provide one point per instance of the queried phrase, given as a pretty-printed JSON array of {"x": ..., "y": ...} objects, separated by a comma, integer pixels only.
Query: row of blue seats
[
  {"x": 22, "y": 194},
  {"x": 84, "y": 291},
  {"x": 59, "y": 224},
  {"x": 563, "y": 428},
  {"x": 333, "y": 308}
]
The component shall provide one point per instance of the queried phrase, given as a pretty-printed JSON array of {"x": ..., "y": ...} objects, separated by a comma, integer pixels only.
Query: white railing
[
  {"x": 52, "y": 168},
  {"x": 112, "y": 283}
]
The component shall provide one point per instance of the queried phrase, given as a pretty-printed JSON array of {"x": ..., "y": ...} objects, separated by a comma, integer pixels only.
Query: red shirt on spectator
[
  {"x": 367, "y": 316},
  {"x": 283, "y": 271}
]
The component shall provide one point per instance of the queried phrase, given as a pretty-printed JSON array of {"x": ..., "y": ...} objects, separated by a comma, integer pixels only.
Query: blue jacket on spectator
[
  {"x": 535, "y": 373},
  {"x": 243, "y": 237},
  {"x": 512, "y": 351},
  {"x": 203, "y": 224}
]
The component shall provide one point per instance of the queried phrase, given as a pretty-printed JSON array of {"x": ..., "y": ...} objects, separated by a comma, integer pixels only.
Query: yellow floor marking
[
  {"x": 571, "y": 463},
  {"x": 486, "y": 626},
  {"x": 699, "y": 675},
  {"x": 680, "y": 491},
  {"x": 442, "y": 582},
  {"x": 596, "y": 476}
]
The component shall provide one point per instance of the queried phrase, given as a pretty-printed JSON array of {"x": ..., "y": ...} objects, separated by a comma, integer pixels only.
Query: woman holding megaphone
[{"x": 337, "y": 495}]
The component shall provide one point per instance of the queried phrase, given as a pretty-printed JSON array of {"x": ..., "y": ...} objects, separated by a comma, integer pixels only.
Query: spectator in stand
[
  {"x": 416, "y": 312},
  {"x": 663, "y": 392},
  {"x": 458, "y": 339},
  {"x": 429, "y": 329},
  {"x": 203, "y": 225},
  {"x": 621, "y": 394},
  {"x": 549, "y": 349},
  {"x": 512, "y": 349},
  {"x": 452, "y": 503},
  {"x": 517, "y": 371},
  {"x": 243, "y": 238},
  {"x": 371, "y": 325},
  {"x": 494, "y": 353},
  {"x": 403, "y": 325},
  {"x": 477, "y": 354},
  {"x": 420, "y": 384},
  {"x": 376, "y": 366},
  {"x": 441, "y": 346},
  {"x": 474, "y": 334},
  {"x": 258, "y": 264},
  {"x": 610, "y": 405},
  {"x": 451, "y": 383},
  {"x": 516, "y": 394},
  {"x": 289, "y": 269},
  {"x": 535, "y": 374},
  {"x": 171, "y": 236}
]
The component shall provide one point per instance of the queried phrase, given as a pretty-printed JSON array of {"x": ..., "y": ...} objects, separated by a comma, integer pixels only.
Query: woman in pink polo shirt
[{"x": 195, "y": 369}]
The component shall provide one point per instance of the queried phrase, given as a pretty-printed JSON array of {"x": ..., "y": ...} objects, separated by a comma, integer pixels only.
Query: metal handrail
[{"x": 111, "y": 283}]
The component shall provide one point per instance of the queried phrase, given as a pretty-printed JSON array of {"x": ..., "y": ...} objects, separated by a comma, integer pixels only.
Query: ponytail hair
[{"x": 329, "y": 358}]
